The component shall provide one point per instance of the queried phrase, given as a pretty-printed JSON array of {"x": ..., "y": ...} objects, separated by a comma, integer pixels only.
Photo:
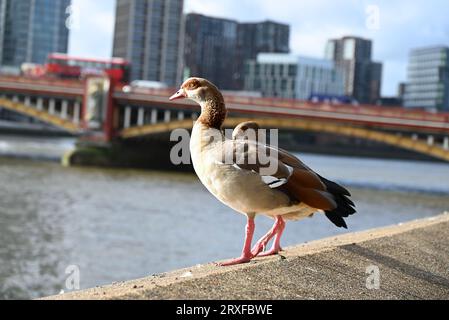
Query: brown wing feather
[
  {"x": 314, "y": 198},
  {"x": 305, "y": 186},
  {"x": 307, "y": 179},
  {"x": 290, "y": 160}
]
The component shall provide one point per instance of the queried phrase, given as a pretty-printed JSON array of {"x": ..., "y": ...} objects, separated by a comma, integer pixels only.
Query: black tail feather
[
  {"x": 335, "y": 188},
  {"x": 337, "y": 220},
  {"x": 345, "y": 206}
]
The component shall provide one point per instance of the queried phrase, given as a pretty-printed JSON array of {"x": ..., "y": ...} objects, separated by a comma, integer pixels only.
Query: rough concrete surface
[{"x": 412, "y": 259}]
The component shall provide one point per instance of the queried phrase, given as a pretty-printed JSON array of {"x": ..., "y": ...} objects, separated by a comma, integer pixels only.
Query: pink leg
[
  {"x": 262, "y": 243},
  {"x": 246, "y": 253},
  {"x": 276, "y": 248}
]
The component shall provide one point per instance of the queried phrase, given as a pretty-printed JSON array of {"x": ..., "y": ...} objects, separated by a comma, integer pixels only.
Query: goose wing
[{"x": 290, "y": 175}]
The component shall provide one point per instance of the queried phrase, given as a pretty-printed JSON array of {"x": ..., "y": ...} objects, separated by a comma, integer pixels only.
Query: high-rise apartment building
[
  {"x": 217, "y": 48},
  {"x": 363, "y": 77},
  {"x": 255, "y": 38},
  {"x": 293, "y": 77},
  {"x": 31, "y": 29},
  {"x": 428, "y": 79},
  {"x": 210, "y": 49},
  {"x": 149, "y": 33},
  {"x": 266, "y": 36}
]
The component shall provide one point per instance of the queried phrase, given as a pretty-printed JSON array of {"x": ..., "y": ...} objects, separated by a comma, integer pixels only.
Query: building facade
[
  {"x": 31, "y": 29},
  {"x": 217, "y": 48},
  {"x": 293, "y": 77},
  {"x": 255, "y": 38},
  {"x": 149, "y": 33},
  {"x": 210, "y": 48},
  {"x": 428, "y": 79},
  {"x": 363, "y": 77}
]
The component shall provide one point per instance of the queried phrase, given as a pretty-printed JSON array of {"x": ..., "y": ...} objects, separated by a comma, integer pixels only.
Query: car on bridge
[
  {"x": 332, "y": 99},
  {"x": 142, "y": 85}
]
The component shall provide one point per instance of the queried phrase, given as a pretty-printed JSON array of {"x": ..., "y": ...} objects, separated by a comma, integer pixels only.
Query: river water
[{"x": 116, "y": 225}]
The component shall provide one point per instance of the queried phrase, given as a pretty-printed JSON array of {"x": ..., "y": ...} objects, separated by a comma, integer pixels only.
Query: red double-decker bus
[{"x": 65, "y": 66}]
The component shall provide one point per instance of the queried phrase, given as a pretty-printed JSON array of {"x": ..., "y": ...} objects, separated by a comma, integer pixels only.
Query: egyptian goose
[{"x": 223, "y": 166}]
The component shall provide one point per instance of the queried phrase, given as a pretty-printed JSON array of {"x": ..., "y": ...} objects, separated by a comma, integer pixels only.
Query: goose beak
[{"x": 181, "y": 94}]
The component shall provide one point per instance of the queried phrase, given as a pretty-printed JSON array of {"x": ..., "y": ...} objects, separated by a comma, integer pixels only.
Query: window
[
  {"x": 330, "y": 50},
  {"x": 349, "y": 49},
  {"x": 284, "y": 85},
  {"x": 292, "y": 70}
]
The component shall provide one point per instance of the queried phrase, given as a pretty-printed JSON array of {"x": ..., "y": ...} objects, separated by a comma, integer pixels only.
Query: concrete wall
[{"x": 410, "y": 259}]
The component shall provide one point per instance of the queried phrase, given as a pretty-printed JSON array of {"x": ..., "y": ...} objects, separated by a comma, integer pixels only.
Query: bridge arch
[
  {"x": 39, "y": 113},
  {"x": 403, "y": 142}
]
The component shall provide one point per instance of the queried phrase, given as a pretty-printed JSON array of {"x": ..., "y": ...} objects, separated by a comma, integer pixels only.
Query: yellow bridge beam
[
  {"x": 39, "y": 114},
  {"x": 306, "y": 125}
]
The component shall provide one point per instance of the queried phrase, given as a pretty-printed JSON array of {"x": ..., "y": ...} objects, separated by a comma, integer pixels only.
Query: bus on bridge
[{"x": 65, "y": 66}]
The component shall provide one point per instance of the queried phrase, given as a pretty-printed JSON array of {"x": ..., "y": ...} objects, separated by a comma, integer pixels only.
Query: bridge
[{"x": 97, "y": 110}]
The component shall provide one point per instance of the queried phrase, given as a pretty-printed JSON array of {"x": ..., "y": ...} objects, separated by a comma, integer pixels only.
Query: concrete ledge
[{"x": 413, "y": 260}]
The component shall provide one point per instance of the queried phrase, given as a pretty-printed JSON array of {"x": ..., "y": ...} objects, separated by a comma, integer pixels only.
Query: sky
[{"x": 394, "y": 26}]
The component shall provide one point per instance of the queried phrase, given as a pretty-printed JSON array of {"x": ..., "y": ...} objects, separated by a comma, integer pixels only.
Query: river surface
[{"x": 116, "y": 225}]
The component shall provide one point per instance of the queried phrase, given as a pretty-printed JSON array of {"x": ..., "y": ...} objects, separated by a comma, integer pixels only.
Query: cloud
[
  {"x": 213, "y": 8},
  {"x": 92, "y": 34}
]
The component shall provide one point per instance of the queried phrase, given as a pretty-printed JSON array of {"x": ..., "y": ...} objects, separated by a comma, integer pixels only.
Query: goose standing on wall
[{"x": 295, "y": 192}]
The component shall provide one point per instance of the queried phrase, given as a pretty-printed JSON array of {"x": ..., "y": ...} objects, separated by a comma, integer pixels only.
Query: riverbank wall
[{"x": 405, "y": 261}]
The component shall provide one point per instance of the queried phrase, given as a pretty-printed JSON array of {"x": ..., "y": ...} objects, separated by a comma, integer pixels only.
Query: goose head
[{"x": 207, "y": 95}]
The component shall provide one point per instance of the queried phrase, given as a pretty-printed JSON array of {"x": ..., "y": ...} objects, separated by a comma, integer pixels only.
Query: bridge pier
[
  {"x": 430, "y": 140},
  {"x": 76, "y": 113},
  {"x": 446, "y": 143},
  {"x": 153, "y": 116},
  {"x": 150, "y": 153},
  {"x": 167, "y": 116},
  {"x": 40, "y": 104},
  {"x": 52, "y": 106},
  {"x": 127, "y": 120},
  {"x": 64, "y": 109},
  {"x": 141, "y": 117}
]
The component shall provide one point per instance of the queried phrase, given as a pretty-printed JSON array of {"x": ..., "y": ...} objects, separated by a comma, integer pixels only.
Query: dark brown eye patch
[{"x": 192, "y": 84}]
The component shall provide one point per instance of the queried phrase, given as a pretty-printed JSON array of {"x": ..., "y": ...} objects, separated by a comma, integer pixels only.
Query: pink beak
[{"x": 178, "y": 95}]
